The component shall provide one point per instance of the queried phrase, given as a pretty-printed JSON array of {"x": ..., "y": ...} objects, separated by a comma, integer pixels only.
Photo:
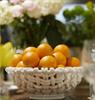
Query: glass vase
[{"x": 88, "y": 62}]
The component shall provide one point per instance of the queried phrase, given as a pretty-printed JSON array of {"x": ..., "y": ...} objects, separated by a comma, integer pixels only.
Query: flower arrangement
[
  {"x": 36, "y": 8},
  {"x": 6, "y": 16},
  {"x": 34, "y": 20}
]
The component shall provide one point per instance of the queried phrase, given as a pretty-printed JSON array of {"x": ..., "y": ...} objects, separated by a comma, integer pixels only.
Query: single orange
[
  {"x": 61, "y": 66},
  {"x": 16, "y": 58},
  {"x": 31, "y": 59},
  {"x": 28, "y": 49},
  {"x": 73, "y": 62},
  {"x": 63, "y": 49},
  {"x": 44, "y": 50},
  {"x": 48, "y": 61},
  {"x": 60, "y": 58},
  {"x": 21, "y": 64}
]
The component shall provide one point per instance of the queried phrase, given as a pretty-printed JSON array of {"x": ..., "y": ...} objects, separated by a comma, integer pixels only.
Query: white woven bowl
[{"x": 46, "y": 81}]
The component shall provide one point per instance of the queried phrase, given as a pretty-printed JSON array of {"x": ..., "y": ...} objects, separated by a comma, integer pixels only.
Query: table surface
[{"x": 80, "y": 93}]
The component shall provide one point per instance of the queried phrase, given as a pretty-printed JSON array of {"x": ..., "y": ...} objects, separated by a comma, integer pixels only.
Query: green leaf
[
  {"x": 1, "y": 55},
  {"x": 6, "y": 53},
  {"x": 54, "y": 38},
  {"x": 90, "y": 5},
  {"x": 61, "y": 27},
  {"x": 8, "y": 45},
  {"x": 78, "y": 10},
  {"x": 69, "y": 14},
  {"x": 8, "y": 57}
]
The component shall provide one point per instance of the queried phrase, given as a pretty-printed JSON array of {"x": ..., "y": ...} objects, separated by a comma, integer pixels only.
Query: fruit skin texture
[
  {"x": 63, "y": 49},
  {"x": 31, "y": 59},
  {"x": 16, "y": 58},
  {"x": 48, "y": 61},
  {"x": 73, "y": 62},
  {"x": 60, "y": 58},
  {"x": 21, "y": 64},
  {"x": 60, "y": 66},
  {"x": 28, "y": 49},
  {"x": 44, "y": 50}
]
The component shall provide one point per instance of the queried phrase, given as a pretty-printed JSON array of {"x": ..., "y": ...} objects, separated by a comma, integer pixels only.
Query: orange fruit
[
  {"x": 61, "y": 66},
  {"x": 73, "y": 62},
  {"x": 16, "y": 58},
  {"x": 48, "y": 61},
  {"x": 28, "y": 49},
  {"x": 68, "y": 62},
  {"x": 63, "y": 49},
  {"x": 60, "y": 58},
  {"x": 31, "y": 59},
  {"x": 44, "y": 50},
  {"x": 21, "y": 64}
]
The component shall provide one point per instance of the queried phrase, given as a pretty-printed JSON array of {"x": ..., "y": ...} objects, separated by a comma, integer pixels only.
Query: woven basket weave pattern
[{"x": 46, "y": 81}]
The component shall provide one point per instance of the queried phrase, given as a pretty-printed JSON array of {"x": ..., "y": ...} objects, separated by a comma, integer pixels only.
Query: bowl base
[{"x": 47, "y": 97}]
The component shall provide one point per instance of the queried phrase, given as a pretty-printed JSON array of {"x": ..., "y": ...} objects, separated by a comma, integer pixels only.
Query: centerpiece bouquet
[{"x": 34, "y": 21}]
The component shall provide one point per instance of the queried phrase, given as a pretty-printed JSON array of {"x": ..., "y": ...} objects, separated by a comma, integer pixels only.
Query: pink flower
[
  {"x": 17, "y": 11},
  {"x": 32, "y": 8},
  {"x": 29, "y": 5}
]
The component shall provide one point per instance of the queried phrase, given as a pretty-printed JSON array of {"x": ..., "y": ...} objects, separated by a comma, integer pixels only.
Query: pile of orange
[{"x": 45, "y": 56}]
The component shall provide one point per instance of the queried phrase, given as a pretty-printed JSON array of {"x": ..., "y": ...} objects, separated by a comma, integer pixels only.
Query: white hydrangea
[
  {"x": 38, "y": 8},
  {"x": 51, "y": 6},
  {"x": 17, "y": 10},
  {"x": 33, "y": 9},
  {"x": 4, "y": 3},
  {"x": 6, "y": 16}
]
